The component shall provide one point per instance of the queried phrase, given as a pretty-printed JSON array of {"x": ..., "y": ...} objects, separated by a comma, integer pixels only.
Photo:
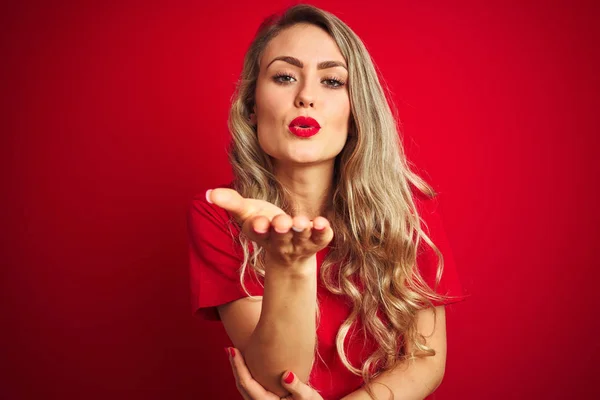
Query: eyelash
[{"x": 337, "y": 83}]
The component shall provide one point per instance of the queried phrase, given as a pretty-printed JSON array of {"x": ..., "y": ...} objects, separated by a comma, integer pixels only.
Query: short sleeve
[
  {"x": 215, "y": 258},
  {"x": 427, "y": 259}
]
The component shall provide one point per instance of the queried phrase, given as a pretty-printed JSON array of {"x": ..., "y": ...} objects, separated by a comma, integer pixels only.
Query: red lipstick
[{"x": 304, "y": 127}]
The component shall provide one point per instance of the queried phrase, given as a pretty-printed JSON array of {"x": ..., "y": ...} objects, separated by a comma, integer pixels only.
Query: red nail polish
[
  {"x": 289, "y": 378},
  {"x": 232, "y": 352}
]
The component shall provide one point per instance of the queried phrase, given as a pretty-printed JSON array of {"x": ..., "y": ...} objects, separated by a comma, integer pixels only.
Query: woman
[{"x": 342, "y": 280}]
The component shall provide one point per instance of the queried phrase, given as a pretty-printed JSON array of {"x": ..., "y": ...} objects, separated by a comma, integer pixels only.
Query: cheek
[
  {"x": 268, "y": 101},
  {"x": 266, "y": 143},
  {"x": 343, "y": 111},
  {"x": 344, "y": 121}
]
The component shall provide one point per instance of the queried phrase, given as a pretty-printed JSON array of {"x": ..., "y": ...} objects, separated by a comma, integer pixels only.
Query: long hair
[{"x": 373, "y": 214}]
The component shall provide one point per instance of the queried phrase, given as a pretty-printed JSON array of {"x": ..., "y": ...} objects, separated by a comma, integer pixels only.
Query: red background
[{"x": 114, "y": 116}]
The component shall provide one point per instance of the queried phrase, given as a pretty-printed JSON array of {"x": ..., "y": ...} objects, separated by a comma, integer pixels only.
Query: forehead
[{"x": 307, "y": 42}]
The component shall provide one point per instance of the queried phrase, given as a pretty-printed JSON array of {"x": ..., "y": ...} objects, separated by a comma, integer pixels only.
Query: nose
[
  {"x": 306, "y": 104},
  {"x": 305, "y": 97}
]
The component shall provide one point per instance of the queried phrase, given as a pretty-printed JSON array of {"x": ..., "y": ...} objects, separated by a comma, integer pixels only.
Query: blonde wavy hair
[{"x": 373, "y": 215}]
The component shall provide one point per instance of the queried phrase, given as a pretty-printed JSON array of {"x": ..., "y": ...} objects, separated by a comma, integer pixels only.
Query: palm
[
  {"x": 254, "y": 207},
  {"x": 271, "y": 228}
]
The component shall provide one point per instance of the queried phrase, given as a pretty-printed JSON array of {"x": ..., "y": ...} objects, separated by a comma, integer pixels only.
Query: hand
[
  {"x": 286, "y": 240},
  {"x": 252, "y": 390}
]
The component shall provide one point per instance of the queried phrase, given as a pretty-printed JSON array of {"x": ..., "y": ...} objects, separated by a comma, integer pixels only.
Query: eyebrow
[{"x": 299, "y": 64}]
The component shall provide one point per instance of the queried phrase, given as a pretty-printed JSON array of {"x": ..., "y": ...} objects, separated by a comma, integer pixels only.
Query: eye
[
  {"x": 284, "y": 78},
  {"x": 334, "y": 83},
  {"x": 287, "y": 78}
]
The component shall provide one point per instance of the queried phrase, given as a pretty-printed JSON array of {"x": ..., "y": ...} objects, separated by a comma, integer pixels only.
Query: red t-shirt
[{"x": 215, "y": 259}]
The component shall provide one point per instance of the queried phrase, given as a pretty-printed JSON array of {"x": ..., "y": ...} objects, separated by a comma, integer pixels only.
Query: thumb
[
  {"x": 298, "y": 389},
  {"x": 229, "y": 200}
]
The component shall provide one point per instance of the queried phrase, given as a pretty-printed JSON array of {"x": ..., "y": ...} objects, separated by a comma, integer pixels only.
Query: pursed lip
[{"x": 305, "y": 122}]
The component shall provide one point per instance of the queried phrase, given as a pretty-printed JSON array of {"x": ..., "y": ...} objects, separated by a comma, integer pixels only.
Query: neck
[{"x": 310, "y": 186}]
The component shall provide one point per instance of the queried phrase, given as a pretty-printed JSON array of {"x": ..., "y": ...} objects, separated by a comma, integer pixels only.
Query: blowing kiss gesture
[
  {"x": 288, "y": 242},
  {"x": 290, "y": 245}
]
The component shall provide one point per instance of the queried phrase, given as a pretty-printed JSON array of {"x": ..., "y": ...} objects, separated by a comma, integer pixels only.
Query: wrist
[{"x": 301, "y": 268}]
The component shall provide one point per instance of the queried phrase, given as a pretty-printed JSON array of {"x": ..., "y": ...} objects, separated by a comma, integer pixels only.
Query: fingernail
[
  {"x": 232, "y": 352},
  {"x": 278, "y": 231},
  {"x": 318, "y": 227},
  {"x": 260, "y": 232},
  {"x": 208, "y": 196},
  {"x": 289, "y": 378},
  {"x": 297, "y": 229},
  {"x": 227, "y": 351}
]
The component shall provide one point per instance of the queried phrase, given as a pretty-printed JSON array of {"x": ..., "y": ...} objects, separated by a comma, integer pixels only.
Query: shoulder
[{"x": 203, "y": 215}]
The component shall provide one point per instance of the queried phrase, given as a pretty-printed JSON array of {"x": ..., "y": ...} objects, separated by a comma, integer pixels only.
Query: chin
[
  {"x": 310, "y": 160},
  {"x": 297, "y": 158}
]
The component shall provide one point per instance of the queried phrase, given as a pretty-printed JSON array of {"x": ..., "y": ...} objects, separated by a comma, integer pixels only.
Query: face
[{"x": 310, "y": 80}]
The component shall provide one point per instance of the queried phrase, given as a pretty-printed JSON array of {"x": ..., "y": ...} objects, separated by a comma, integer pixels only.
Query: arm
[
  {"x": 279, "y": 334},
  {"x": 414, "y": 379}
]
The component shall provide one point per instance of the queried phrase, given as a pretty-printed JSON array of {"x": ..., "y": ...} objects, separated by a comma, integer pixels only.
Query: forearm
[
  {"x": 284, "y": 338},
  {"x": 408, "y": 380}
]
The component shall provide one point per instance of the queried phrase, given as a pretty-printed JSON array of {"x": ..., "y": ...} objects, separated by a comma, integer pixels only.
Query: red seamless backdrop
[{"x": 114, "y": 116}]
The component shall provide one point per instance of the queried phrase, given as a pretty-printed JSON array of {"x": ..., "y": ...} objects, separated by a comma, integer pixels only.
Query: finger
[
  {"x": 257, "y": 228},
  {"x": 301, "y": 226},
  {"x": 298, "y": 389},
  {"x": 229, "y": 200},
  {"x": 235, "y": 375},
  {"x": 245, "y": 382},
  {"x": 321, "y": 233},
  {"x": 281, "y": 230}
]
